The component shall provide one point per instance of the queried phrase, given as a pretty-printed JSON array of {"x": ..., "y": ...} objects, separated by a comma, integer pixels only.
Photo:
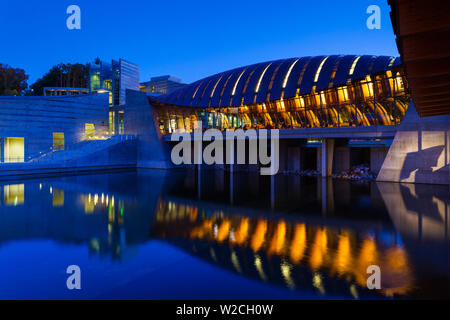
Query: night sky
[{"x": 187, "y": 39}]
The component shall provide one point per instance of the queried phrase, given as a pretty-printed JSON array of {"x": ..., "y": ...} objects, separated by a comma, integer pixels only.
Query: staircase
[{"x": 79, "y": 150}]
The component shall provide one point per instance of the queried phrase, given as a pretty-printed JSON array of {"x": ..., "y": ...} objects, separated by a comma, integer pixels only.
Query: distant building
[
  {"x": 115, "y": 78},
  {"x": 64, "y": 91},
  {"x": 162, "y": 85},
  {"x": 34, "y": 126}
]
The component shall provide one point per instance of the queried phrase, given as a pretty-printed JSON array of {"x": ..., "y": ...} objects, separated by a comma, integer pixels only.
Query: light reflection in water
[
  {"x": 326, "y": 253},
  {"x": 293, "y": 248},
  {"x": 14, "y": 194}
]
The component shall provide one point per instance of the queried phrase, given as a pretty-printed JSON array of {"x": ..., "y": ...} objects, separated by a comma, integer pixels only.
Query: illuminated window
[
  {"x": 95, "y": 81},
  {"x": 89, "y": 130},
  {"x": 370, "y": 85},
  {"x": 14, "y": 194},
  {"x": 342, "y": 94},
  {"x": 58, "y": 198},
  {"x": 121, "y": 124},
  {"x": 261, "y": 77},
  {"x": 399, "y": 81},
  {"x": 352, "y": 69},
  {"x": 107, "y": 84},
  {"x": 237, "y": 81},
  {"x": 112, "y": 122},
  {"x": 302, "y": 102},
  {"x": 367, "y": 87},
  {"x": 322, "y": 98},
  {"x": 286, "y": 78},
  {"x": 283, "y": 107},
  {"x": 58, "y": 140},
  {"x": 14, "y": 150},
  {"x": 316, "y": 78}
]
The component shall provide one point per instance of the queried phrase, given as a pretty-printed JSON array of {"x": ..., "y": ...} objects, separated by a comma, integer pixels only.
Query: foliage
[
  {"x": 13, "y": 81},
  {"x": 63, "y": 75}
]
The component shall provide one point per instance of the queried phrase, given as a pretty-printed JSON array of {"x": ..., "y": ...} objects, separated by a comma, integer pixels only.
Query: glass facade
[
  {"x": 379, "y": 99},
  {"x": 115, "y": 78}
]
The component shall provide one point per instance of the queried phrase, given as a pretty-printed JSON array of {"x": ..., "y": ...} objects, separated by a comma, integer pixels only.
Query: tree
[
  {"x": 13, "y": 81},
  {"x": 63, "y": 75}
]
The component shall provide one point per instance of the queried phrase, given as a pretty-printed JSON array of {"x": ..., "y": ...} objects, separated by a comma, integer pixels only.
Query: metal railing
[{"x": 70, "y": 151}]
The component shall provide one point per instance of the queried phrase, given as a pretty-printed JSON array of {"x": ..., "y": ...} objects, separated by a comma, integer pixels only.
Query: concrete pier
[
  {"x": 420, "y": 152},
  {"x": 326, "y": 155}
]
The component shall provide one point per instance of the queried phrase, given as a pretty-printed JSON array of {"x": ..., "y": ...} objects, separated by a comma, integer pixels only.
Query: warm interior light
[
  {"x": 316, "y": 78},
  {"x": 286, "y": 78},
  {"x": 237, "y": 81},
  {"x": 352, "y": 69},
  {"x": 261, "y": 77},
  {"x": 215, "y": 86}
]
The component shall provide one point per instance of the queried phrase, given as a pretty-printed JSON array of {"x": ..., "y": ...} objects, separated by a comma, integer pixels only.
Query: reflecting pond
[{"x": 215, "y": 235}]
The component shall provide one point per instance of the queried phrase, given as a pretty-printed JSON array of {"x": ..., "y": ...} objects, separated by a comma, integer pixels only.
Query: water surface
[{"x": 184, "y": 235}]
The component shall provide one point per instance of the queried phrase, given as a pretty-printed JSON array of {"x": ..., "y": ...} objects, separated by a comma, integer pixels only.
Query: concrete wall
[
  {"x": 377, "y": 156},
  {"x": 140, "y": 120},
  {"x": 36, "y": 118},
  {"x": 420, "y": 152}
]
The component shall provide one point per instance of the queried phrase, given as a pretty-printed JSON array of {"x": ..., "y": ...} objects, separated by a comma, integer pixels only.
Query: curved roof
[
  {"x": 422, "y": 29},
  {"x": 268, "y": 81}
]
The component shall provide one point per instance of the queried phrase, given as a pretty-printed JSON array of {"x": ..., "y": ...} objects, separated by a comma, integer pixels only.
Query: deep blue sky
[{"x": 188, "y": 39}]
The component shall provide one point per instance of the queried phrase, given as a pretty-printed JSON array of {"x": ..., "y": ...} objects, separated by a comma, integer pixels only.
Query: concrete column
[
  {"x": 377, "y": 156},
  {"x": 319, "y": 159},
  {"x": 341, "y": 159},
  {"x": 293, "y": 158},
  {"x": 272, "y": 192},
  {"x": 420, "y": 151},
  {"x": 283, "y": 157},
  {"x": 327, "y": 157}
]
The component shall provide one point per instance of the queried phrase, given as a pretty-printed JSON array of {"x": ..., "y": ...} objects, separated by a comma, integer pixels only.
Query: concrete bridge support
[
  {"x": 294, "y": 159},
  {"x": 420, "y": 152},
  {"x": 326, "y": 157},
  {"x": 377, "y": 156},
  {"x": 341, "y": 159}
]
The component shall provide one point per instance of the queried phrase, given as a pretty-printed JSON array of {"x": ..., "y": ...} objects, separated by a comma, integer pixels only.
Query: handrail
[{"x": 71, "y": 151}]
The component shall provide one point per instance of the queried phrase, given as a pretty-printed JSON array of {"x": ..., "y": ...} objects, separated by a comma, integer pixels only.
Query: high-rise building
[
  {"x": 114, "y": 77},
  {"x": 162, "y": 85}
]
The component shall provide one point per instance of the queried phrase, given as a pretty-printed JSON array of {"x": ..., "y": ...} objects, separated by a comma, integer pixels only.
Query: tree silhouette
[
  {"x": 13, "y": 81},
  {"x": 63, "y": 75}
]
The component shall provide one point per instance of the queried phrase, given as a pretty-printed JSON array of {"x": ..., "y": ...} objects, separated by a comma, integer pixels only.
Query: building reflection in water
[
  {"x": 296, "y": 253},
  {"x": 405, "y": 229},
  {"x": 14, "y": 194}
]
